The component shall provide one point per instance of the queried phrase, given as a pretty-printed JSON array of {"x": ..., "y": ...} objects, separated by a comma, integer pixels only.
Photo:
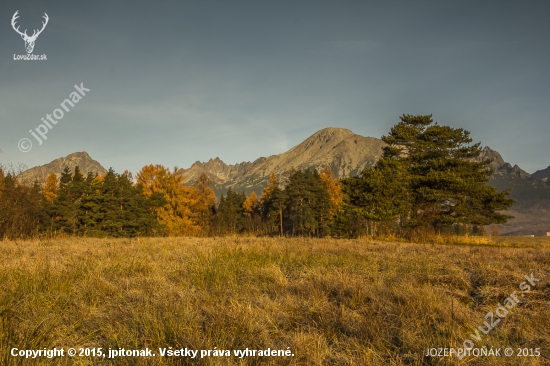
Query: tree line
[{"x": 427, "y": 180}]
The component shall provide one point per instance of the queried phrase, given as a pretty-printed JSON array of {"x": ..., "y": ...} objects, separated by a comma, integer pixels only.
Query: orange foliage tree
[
  {"x": 176, "y": 215},
  {"x": 50, "y": 188},
  {"x": 334, "y": 188},
  {"x": 204, "y": 202},
  {"x": 251, "y": 207}
]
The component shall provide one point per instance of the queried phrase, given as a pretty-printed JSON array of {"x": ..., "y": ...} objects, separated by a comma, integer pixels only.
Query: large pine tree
[{"x": 428, "y": 178}]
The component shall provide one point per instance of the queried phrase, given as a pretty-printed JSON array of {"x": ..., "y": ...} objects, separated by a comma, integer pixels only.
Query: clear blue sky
[{"x": 173, "y": 82}]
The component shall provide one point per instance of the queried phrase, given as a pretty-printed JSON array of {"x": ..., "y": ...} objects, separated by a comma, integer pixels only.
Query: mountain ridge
[{"x": 345, "y": 152}]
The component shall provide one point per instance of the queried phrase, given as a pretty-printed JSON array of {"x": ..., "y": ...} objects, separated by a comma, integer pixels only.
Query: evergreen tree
[
  {"x": 307, "y": 205},
  {"x": 428, "y": 178},
  {"x": 272, "y": 202},
  {"x": 107, "y": 206},
  {"x": 231, "y": 213},
  {"x": 126, "y": 212},
  {"x": 63, "y": 210},
  {"x": 91, "y": 214},
  {"x": 378, "y": 194}
]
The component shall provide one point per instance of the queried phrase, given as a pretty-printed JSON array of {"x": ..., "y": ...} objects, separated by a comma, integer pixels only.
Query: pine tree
[
  {"x": 91, "y": 207},
  {"x": 62, "y": 211},
  {"x": 272, "y": 203},
  {"x": 113, "y": 207},
  {"x": 427, "y": 178},
  {"x": 379, "y": 193},
  {"x": 231, "y": 214},
  {"x": 307, "y": 205}
]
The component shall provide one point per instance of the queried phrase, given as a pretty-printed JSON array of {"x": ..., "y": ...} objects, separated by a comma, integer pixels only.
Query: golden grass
[
  {"x": 524, "y": 241},
  {"x": 333, "y": 302}
]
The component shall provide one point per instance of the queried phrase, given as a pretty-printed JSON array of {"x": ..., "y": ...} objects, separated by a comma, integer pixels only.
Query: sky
[{"x": 174, "y": 82}]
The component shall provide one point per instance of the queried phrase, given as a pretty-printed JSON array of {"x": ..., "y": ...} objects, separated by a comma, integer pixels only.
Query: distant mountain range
[{"x": 347, "y": 154}]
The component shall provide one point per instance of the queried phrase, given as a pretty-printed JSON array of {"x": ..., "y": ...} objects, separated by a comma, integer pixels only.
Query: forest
[{"x": 426, "y": 181}]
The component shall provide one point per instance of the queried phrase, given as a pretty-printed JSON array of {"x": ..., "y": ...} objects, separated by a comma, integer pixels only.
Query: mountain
[
  {"x": 531, "y": 192},
  {"x": 345, "y": 152},
  {"x": 527, "y": 189},
  {"x": 500, "y": 166},
  {"x": 80, "y": 159}
]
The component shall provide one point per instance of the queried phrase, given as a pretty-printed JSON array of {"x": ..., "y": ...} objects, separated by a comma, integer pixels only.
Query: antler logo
[{"x": 29, "y": 41}]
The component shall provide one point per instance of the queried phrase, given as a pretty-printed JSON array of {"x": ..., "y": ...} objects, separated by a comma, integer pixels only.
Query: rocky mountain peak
[
  {"x": 345, "y": 152},
  {"x": 81, "y": 159},
  {"x": 488, "y": 153}
]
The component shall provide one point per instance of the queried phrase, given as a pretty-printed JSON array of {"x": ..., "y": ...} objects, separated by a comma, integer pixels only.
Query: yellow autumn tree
[
  {"x": 334, "y": 188},
  {"x": 251, "y": 206},
  {"x": 204, "y": 202},
  {"x": 175, "y": 214},
  {"x": 50, "y": 188},
  {"x": 272, "y": 185},
  {"x": 100, "y": 178}
]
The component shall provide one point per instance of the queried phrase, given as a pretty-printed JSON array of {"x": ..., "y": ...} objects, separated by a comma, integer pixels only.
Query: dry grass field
[{"x": 333, "y": 302}]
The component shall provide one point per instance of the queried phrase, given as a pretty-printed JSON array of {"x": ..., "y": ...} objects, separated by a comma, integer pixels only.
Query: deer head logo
[{"x": 29, "y": 41}]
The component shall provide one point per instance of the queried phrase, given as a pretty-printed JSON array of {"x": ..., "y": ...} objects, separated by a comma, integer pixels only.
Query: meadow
[{"x": 330, "y": 302}]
